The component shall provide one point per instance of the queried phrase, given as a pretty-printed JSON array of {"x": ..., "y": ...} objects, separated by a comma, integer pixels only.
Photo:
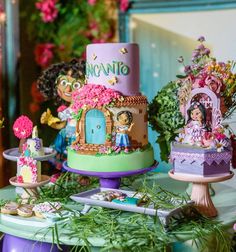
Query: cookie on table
[
  {"x": 46, "y": 207},
  {"x": 25, "y": 210},
  {"x": 10, "y": 208}
]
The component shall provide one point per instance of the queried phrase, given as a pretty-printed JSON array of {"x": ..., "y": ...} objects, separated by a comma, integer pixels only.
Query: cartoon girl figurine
[
  {"x": 124, "y": 125},
  {"x": 57, "y": 83},
  {"x": 195, "y": 128}
]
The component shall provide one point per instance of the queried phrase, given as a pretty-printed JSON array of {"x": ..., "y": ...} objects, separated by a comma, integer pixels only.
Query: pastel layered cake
[{"x": 111, "y": 113}]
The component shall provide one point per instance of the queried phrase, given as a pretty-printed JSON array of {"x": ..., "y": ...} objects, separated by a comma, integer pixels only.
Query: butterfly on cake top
[{"x": 205, "y": 97}]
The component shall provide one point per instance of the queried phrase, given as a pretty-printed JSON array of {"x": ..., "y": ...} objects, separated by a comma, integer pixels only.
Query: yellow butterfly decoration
[
  {"x": 94, "y": 56},
  {"x": 113, "y": 80},
  {"x": 1, "y": 123},
  {"x": 123, "y": 50}
]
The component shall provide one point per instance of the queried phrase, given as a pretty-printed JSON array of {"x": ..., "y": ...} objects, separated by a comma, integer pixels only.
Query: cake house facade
[
  {"x": 111, "y": 113},
  {"x": 108, "y": 93},
  {"x": 201, "y": 147}
]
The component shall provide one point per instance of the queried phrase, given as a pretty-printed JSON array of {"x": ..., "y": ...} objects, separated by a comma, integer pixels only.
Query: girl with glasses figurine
[{"x": 57, "y": 83}]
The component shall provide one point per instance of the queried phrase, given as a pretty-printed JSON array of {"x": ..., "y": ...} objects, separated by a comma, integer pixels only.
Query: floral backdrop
[{"x": 61, "y": 30}]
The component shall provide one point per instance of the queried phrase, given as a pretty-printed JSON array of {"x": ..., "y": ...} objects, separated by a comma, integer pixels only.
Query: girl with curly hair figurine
[{"x": 57, "y": 83}]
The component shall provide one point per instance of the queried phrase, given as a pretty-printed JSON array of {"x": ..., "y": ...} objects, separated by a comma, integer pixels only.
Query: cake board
[
  {"x": 200, "y": 190},
  {"x": 111, "y": 179}
]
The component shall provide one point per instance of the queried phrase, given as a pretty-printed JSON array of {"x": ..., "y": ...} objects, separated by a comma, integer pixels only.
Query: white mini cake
[
  {"x": 29, "y": 169},
  {"x": 35, "y": 144}
]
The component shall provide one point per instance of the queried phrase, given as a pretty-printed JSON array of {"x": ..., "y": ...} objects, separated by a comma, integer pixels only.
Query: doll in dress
[
  {"x": 57, "y": 83},
  {"x": 123, "y": 127},
  {"x": 195, "y": 129}
]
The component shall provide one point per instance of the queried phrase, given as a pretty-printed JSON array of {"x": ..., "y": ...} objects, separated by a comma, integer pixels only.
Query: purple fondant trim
[
  {"x": 111, "y": 174},
  {"x": 199, "y": 155}
]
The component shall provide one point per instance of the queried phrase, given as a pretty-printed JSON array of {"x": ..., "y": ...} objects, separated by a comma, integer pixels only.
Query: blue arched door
[{"x": 95, "y": 131}]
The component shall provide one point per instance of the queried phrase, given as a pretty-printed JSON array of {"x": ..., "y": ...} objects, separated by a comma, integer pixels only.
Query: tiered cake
[{"x": 111, "y": 113}]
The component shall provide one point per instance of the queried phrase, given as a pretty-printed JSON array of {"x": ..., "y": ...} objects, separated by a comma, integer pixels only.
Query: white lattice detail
[{"x": 216, "y": 118}]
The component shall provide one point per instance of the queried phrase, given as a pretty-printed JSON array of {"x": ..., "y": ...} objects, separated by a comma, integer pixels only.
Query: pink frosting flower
[
  {"x": 19, "y": 179},
  {"x": 92, "y": 2},
  {"x": 124, "y": 5},
  {"x": 93, "y": 96},
  {"x": 213, "y": 83},
  {"x": 44, "y": 54},
  {"x": 22, "y": 127},
  {"x": 48, "y": 10}
]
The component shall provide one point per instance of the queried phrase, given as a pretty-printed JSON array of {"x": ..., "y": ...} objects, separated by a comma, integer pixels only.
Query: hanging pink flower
[
  {"x": 44, "y": 54},
  {"x": 48, "y": 10},
  {"x": 124, "y": 5},
  {"x": 22, "y": 127},
  {"x": 92, "y": 2}
]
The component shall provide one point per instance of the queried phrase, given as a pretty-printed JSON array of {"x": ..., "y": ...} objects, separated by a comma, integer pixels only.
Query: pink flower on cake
[
  {"x": 22, "y": 127},
  {"x": 44, "y": 54},
  {"x": 48, "y": 10},
  {"x": 124, "y": 5},
  {"x": 19, "y": 179},
  {"x": 213, "y": 83},
  {"x": 93, "y": 96}
]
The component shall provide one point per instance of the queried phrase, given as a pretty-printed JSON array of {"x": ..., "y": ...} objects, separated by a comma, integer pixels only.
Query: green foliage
[
  {"x": 76, "y": 25},
  {"x": 78, "y": 115},
  {"x": 165, "y": 117},
  {"x": 123, "y": 231}
]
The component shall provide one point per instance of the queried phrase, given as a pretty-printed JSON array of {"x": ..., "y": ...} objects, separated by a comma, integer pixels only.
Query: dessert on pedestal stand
[
  {"x": 30, "y": 188},
  {"x": 200, "y": 190},
  {"x": 111, "y": 179}
]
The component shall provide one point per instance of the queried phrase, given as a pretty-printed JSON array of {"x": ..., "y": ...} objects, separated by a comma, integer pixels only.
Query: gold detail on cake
[
  {"x": 123, "y": 50},
  {"x": 113, "y": 80},
  {"x": 131, "y": 101},
  {"x": 94, "y": 56}
]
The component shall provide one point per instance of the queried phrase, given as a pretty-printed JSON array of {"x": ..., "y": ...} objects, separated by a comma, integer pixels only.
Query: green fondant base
[{"x": 111, "y": 163}]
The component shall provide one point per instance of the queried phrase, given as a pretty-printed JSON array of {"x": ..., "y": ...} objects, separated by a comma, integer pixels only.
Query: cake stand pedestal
[
  {"x": 30, "y": 191},
  {"x": 200, "y": 190},
  {"x": 110, "y": 179}
]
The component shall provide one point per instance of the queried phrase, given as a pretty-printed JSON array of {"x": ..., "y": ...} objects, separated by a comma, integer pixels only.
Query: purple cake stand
[{"x": 110, "y": 179}]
